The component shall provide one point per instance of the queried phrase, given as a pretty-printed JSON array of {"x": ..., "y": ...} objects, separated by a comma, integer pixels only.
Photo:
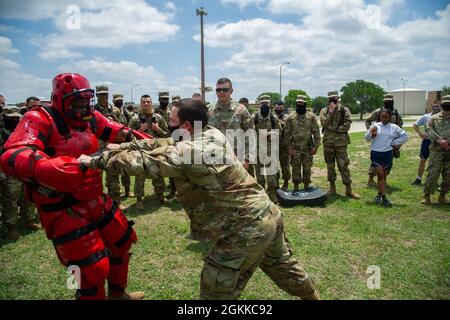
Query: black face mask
[
  {"x": 118, "y": 104},
  {"x": 301, "y": 109},
  {"x": 389, "y": 105},
  {"x": 11, "y": 123},
  {"x": 163, "y": 103},
  {"x": 279, "y": 112},
  {"x": 446, "y": 107},
  {"x": 265, "y": 109}
]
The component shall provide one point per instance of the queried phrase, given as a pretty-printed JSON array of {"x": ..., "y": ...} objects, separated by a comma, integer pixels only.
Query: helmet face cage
[{"x": 79, "y": 104}]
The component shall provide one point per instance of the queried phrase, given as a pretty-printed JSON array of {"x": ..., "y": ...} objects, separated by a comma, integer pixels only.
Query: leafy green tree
[
  {"x": 445, "y": 90},
  {"x": 319, "y": 103},
  {"x": 289, "y": 100},
  {"x": 362, "y": 96},
  {"x": 274, "y": 97}
]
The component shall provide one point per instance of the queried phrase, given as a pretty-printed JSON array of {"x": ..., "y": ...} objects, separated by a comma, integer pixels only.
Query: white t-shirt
[{"x": 387, "y": 135}]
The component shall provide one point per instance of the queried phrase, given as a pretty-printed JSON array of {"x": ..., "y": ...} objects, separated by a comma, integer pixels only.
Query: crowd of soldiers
[{"x": 298, "y": 135}]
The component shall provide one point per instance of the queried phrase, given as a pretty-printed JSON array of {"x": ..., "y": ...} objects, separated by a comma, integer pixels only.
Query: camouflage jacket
[
  {"x": 302, "y": 131},
  {"x": 233, "y": 116},
  {"x": 164, "y": 113},
  {"x": 438, "y": 127},
  {"x": 375, "y": 117},
  {"x": 335, "y": 126},
  {"x": 271, "y": 123},
  {"x": 139, "y": 118},
  {"x": 112, "y": 113},
  {"x": 220, "y": 199}
]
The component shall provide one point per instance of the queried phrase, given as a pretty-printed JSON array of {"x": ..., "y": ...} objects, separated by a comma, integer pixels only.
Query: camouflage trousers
[
  {"x": 12, "y": 197},
  {"x": 233, "y": 260},
  {"x": 139, "y": 185},
  {"x": 438, "y": 163},
  {"x": 272, "y": 181},
  {"x": 337, "y": 155},
  {"x": 113, "y": 184},
  {"x": 284, "y": 164},
  {"x": 301, "y": 160}
]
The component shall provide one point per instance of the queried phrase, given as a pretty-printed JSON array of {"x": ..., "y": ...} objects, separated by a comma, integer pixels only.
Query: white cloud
[
  {"x": 6, "y": 46},
  {"x": 100, "y": 24},
  {"x": 334, "y": 42},
  {"x": 243, "y": 3}
]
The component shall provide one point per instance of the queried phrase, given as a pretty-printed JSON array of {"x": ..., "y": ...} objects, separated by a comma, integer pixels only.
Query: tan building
[{"x": 409, "y": 101}]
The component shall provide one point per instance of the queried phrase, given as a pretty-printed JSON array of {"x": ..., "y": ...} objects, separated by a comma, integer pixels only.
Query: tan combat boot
[
  {"x": 128, "y": 193},
  {"x": 285, "y": 185},
  {"x": 30, "y": 225},
  {"x": 139, "y": 203},
  {"x": 123, "y": 295},
  {"x": 442, "y": 199},
  {"x": 426, "y": 199},
  {"x": 12, "y": 233},
  {"x": 349, "y": 193},
  {"x": 332, "y": 191}
]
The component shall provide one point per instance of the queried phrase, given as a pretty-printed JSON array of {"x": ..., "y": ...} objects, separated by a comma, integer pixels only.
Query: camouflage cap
[
  {"x": 301, "y": 98},
  {"x": 101, "y": 89},
  {"x": 446, "y": 99},
  {"x": 164, "y": 94},
  {"x": 264, "y": 99},
  {"x": 176, "y": 98},
  {"x": 11, "y": 111},
  {"x": 332, "y": 94},
  {"x": 388, "y": 97},
  {"x": 117, "y": 96}
]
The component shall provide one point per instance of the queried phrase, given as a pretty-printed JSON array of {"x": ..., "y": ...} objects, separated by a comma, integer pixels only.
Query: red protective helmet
[{"x": 73, "y": 97}]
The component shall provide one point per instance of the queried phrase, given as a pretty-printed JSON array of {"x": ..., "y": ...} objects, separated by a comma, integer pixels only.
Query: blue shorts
[
  {"x": 383, "y": 159},
  {"x": 425, "y": 149}
]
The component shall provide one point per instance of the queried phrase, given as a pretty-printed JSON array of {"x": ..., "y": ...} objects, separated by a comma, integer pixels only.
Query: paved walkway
[{"x": 360, "y": 125}]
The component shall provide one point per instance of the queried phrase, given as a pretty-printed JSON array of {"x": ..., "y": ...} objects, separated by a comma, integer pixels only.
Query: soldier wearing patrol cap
[
  {"x": 266, "y": 120},
  {"x": 336, "y": 121},
  {"x": 284, "y": 152},
  {"x": 396, "y": 118},
  {"x": 12, "y": 193},
  {"x": 302, "y": 137},
  {"x": 112, "y": 113},
  {"x": 438, "y": 130},
  {"x": 120, "y": 114}
]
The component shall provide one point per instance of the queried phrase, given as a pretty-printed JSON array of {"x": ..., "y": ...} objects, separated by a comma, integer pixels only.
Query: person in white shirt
[
  {"x": 384, "y": 137},
  {"x": 425, "y": 146}
]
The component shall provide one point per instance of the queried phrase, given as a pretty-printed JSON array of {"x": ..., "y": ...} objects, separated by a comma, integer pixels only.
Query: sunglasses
[{"x": 218, "y": 90}]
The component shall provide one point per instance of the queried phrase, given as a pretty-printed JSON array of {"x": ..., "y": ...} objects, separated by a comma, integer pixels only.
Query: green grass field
[{"x": 336, "y": 244}]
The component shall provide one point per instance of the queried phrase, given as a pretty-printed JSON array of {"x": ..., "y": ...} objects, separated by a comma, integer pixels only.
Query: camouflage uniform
[
  {"x": 225, "y": 205},
  {"x": 165, "y": 113},
  {"x": 233, "y": 116},
  {"x": 12, "y": 191},
  {"x": 268, "y": 123},
  {"x": 439, "y": 160},
  {"x": 135, "y": 124},
  {"x": 115, "y": 114},
  {"x": 335, "y": 140},
  {"x": 301, "y": 134},
  {"x": 284, "y": 150}
]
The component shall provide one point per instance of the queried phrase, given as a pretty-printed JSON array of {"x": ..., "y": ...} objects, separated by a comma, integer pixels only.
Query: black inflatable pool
[{"x": 314, "y": 196}]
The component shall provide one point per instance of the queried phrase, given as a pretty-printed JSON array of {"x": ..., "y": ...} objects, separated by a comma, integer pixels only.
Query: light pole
[
  {"x": 404, "y": 91},
  {"x": 281, "y": 64},
  {"x": 136, "y": 85},
  {"x": 202, "y": 12}
]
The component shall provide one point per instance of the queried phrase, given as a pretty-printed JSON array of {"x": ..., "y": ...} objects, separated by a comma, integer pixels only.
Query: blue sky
[{"x": 155, "y": 44}]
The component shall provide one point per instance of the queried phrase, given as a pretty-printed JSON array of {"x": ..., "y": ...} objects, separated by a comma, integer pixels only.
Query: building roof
[{"x": 406, "y": 89}]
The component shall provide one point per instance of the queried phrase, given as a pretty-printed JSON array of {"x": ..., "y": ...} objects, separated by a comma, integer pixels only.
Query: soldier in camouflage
[
  {"x": 115, "y": 114},
  {"x": 302, "y": 136},
  {"x": 12, "y": 191},
  {"x": 224, "y": 203},
  {"x": 336, "y": 121},
  {"x": 396, "y": 118},
  {"x": 438, "y": 130},
  {"x": 284, "y": 152},
  {"x": 266, "y": 120},
  {"x": 228, "y": 114},
  {"x": 154, "y": 124},
  {"x": 164, "y": 111}
]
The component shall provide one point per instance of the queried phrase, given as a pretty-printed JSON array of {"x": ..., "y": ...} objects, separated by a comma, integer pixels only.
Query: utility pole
[
  {"x": 281, "y": 64},
  {"x": 404, "y": 94},
  {"x": 202, "y": 12}
]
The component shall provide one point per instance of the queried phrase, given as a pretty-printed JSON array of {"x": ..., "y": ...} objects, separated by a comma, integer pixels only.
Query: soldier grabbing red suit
[{"x": 86, "y": 227}]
